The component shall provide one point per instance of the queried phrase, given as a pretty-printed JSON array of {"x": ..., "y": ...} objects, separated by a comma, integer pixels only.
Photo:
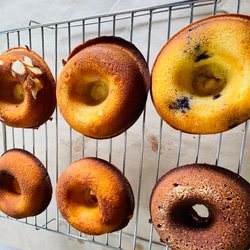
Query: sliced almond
[
  {"x": 2, "y": 119},
  {"x": 25, "y": 84},
  {"x": 37, "y": 81},
  {"x": 18, "y": 67},
  {"x": 35, "y": 70},
  {"x": 37, "y": 87},
  {"x": 27, "y": 61},
  {"x": 13, "y": 73},
  {"x": 1, "y": 62}
]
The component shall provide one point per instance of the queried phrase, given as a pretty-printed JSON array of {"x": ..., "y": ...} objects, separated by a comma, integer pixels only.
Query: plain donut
[
  {"x": 94, "y": 196},
  {"x": 25, "y": 186},
  {"x": 103, "y": 87}
]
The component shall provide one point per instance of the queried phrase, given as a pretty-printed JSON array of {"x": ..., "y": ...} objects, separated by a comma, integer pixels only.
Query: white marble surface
[{"x": 17, "y": 14}]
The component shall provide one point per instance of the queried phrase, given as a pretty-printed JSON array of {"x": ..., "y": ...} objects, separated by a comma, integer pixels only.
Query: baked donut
[
  {"x": 201, "y": 77},
  {"x": 25, "y": 186},
  {"x": 103, "y": 87},
  {"x": 224, "y": 194},
  {"x": 27, "y": 89},
  {"x": 94, "y": 197}
]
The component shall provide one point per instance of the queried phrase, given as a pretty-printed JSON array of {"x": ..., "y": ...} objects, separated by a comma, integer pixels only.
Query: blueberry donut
[{"x": 201, "y": 77}]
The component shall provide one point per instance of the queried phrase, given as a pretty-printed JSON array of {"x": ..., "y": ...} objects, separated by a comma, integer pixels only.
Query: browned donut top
[
  {"x": 94, "y": 196},
  {"x": 103, "y": 87},
  {"x": 25, "y": 186}
]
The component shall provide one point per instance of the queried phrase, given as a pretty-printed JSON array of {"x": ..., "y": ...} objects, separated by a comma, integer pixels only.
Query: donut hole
[
  {"x": 201, "y": 210},
  {"x": 9, "y": 183},
  {"x": 96, "y": 92},
  {"x": 91, "y": 91},
  {"x": 12, "y": 92},
  {"x": 18, "y": 93},
  {"x": 209, "y": 79},
  {"x": 92, "y": 197},
  {"x": 193, "y": 215},
  {"x": 82, "y": 197}
]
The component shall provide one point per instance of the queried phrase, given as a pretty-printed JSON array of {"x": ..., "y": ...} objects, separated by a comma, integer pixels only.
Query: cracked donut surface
[
  {"x": 28, "y": 89},
  {"x": 201, "y": 77}
]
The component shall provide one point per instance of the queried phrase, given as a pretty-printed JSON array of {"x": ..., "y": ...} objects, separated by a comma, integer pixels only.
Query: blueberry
[
  {"x": 216, "y": 96},
  {"x": 181, "y": 104},
  {"x": 202, "y": 56}
]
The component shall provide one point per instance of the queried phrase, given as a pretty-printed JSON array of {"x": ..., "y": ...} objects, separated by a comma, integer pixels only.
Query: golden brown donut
[
  {"x": 94, "y": 197},
  {"x": 25, "y": 186},
  {"x": 201, "y": 77},
  {"x": 226, "y": 196},
  {"x": 27, "y": 89},
  {"x": 103, "y": 87}
]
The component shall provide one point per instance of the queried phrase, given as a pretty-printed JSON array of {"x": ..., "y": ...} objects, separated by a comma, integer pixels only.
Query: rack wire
[{"x": 144, "y": 152}]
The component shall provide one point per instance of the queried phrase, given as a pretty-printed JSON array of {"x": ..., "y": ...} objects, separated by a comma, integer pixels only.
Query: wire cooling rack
[{"x": 144, "y": 152}]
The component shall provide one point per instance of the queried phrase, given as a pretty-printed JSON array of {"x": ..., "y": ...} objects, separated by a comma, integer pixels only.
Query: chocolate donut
[{"x": 224, "y": 194}]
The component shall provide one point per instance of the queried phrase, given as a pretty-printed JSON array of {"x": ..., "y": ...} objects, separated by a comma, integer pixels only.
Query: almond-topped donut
[
  {"x": 103, "y": 87},
  {"x": 27, "y": 89},
  {"x": 25, "y": 186},
  {"x": 201, "y": 77},
  {"x": 202, "y": 207},
  {"x": 94, "y": 196}
]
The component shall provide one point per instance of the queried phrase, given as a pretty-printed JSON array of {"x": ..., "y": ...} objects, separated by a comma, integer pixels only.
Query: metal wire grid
[{"x": 55, "y": 41}]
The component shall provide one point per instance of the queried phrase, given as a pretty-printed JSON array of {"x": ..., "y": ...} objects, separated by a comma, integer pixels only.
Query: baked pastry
[
  {"x": 27, "y": 89},
  {"x": 224, "y": 194},
  {"x": 25, "y": 186},
  {"x": 201, "y": 77},
  {"x": 94, "y": 197},
  {"x": 103, "y": 87}
]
